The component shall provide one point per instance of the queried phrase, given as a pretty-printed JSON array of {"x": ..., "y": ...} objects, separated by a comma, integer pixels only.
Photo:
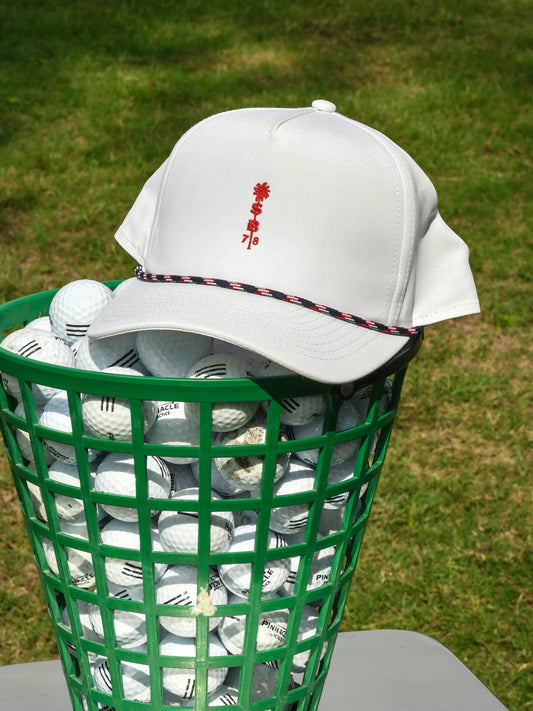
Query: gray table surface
[{"x": 375, "y": 670}]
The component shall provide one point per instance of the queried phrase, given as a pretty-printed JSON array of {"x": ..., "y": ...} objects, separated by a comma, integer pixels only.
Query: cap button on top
[{"x": 323, "y": 105}]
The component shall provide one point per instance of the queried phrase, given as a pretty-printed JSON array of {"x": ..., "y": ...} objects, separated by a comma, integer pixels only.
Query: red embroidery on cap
[{"x": 261, "y": 192}]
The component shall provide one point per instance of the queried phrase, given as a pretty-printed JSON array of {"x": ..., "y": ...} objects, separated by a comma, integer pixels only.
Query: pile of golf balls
[{"x": 121, "y": 496}]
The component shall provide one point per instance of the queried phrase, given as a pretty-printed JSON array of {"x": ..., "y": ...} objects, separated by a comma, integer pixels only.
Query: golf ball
[
  {"x": 181, "y": 681},
  {"x": 116, "y": 475},
  {"x": 135, "y": 678},
  {"x": 237, "y": 577},
  {"x": 225, "y": 416},
  {"x": 75, "y": 306},
  {"x": 347, "y": 418},
  {"x": 299, "y": 410},
  {"x": 125, "y": 571},
  {"x": 56, "y": 416},
  {"x": 110, "y": 417},
  {"x": 178, "y": 587},
  {"x": 171, "y": 354},
  {"x": 179, "y": 529},
  {"x": 102, "y": 353},
  {"x": 298, "y": 478},
  {"x": 246, "y": 472},
  {"x": 271, "y": 629},
  {"x": 129, "y": 626},
  {"x": 173, "y": 427}
]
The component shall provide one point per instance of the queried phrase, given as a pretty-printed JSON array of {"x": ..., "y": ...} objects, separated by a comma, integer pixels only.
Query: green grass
[{"x": 92, "y": 98}]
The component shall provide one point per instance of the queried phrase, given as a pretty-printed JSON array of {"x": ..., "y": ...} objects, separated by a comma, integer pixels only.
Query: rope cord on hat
[{"x": 280, "y": 296}]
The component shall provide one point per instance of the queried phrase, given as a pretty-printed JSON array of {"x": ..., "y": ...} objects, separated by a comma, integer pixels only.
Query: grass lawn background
[{"x": 93, "y": 97}]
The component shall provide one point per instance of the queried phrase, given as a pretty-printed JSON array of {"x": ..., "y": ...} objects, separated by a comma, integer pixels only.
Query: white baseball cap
[{"x": 300, "y": 234}]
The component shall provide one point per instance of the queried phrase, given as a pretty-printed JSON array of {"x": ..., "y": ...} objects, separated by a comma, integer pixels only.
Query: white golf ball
[
  {"x": 41, "y": 346},
  {"x": 171, "y": 354},
  {"x": 68, "y": 508},
  {"x": 271, "y": 628},
  {"x": 181, "y": 681},
  {"x": 298, "y": 478},
  {"x": 361, "y": 399},
  {"x": 342, "y": 472},
  {"x": 179, "y": 529},
  {"x": 237, "y": 577},
  {"x": 178, "y": 587},
  {"x": 246, "y": 472},
  {"x": 347, "y": 419},
  {"x": 110, "y": 417},
  {"x": 264, "y": 681},
  {"x": 23, "y": 437},
  {"x": 298, "y": 410},
  {"x": 174, "y": 427},
  {"x": 86, "y": 628},
  {"x": 254, "y": 360},
  {"x": 308, "y": 628},
  {"x": 56, "y": 416},
  {"x": 41, "y": 322},
  {"x": 225, "y": 416},
  {"x": 129, "y": 626},
  {"x": 116, "y": 475},
  {"x": 135, "y": 678},
  {"x": 124, "y": 571},
  {"x": 320, "y": 566},
  {"x": 101, "y": 353},
  {"x": 80, "y": 564},
  {"x": 75, "y": 306}
]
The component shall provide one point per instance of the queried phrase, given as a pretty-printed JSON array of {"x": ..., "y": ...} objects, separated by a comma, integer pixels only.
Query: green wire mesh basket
[{"x": 225, "y": 632}]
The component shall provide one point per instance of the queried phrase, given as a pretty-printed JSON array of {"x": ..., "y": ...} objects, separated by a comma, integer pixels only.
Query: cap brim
[{"x": 312, "y": 344}]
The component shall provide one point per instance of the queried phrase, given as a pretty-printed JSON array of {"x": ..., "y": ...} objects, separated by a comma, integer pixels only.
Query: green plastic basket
[{"x": 262, "y": 675}]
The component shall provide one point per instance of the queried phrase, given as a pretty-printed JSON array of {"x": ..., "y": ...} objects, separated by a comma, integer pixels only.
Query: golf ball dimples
[
  {"x": 225, "y": 416},
  {"x": 347, "y": 419},
  {"x": 179, "y": 529},
  {"x": 41, "y": 346},
  {"x": 122, "y": 571},
  {"x": 41, "y": 322},
  {"x": 171, "y": 354},
  {"x": 110, "y": 417},
  {"x": 247, "y": 472},
  {"x": 237, "y": 577},
  {"x": 294, "y": 410},
  {"x": 56, "y": 416},
  {"x": 180, "y": 680},
  {"x": 135, "y": 678},
  {"x": 298, "y": 478},
  {"x": 75, "y": 306},
  {"x": 130, "y": 627},
  {"x": 116, "y": 475},
  {"x": 101, "y": 353},
  {"x": 173, "y": 427},
  {"x": 178, "y": 586},
  {"x": 271, "y": 629}
]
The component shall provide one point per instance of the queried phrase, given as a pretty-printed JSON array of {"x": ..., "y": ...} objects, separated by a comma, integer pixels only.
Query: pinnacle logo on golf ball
[
  {"x": 75, "y": 306},
  {"x": 171, "y": 354},
  {"x": 101, "y": 353},
  {"x": 179, "y": 530},
  {"x": 182, "y": 681},
  {"x": 294, "y": 410},
  {"x": 246, "y": 472},
  {"x": 129, "y": 626},
  {"x": 116, "y": 475},
  {"x": 237, "y": 577},
  {"x": 56, "y": 416},
  {"x": 347, "y": 419},
  {"x": 173, "y": 427},
  {"x": 178, "y": 587},
  {"x": 125, "y": 571},
  {"x": 271, "y": 628},
  {"x": 41, "y": 346},
  {"x": 319, "y": 573},
  {"x": 110, "y": 417},
  {"x": 225, "y": 416}
]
